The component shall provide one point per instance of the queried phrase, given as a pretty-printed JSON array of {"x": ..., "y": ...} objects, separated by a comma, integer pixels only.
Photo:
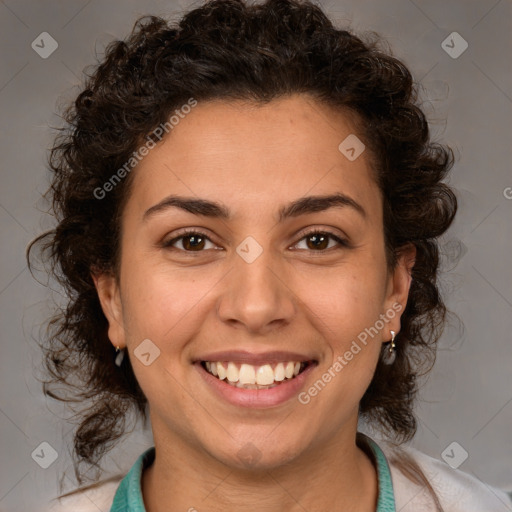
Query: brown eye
[
  {"x": 194, "y": 242},
  {"x": 191, "y": 241},
  {"x": 318, "y": 241}
]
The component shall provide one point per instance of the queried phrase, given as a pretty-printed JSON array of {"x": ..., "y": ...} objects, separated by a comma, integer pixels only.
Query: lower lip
[{"x": 256, "y": 398}]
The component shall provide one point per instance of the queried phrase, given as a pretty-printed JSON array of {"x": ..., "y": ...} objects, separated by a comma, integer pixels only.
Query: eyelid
[
  {"x": 184, "y": 233},
  {"x": 340, "y": 239}
]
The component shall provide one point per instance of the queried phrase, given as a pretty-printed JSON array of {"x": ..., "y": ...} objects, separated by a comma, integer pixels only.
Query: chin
[{"x": 258, "y": 456}]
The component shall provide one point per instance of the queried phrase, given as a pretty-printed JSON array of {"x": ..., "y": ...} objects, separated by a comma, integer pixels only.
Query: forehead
[{"x": 247, "y": 154}]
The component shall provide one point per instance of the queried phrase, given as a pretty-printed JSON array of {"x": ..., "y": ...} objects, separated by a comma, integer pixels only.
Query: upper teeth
[{"x": 249, "y": 374}]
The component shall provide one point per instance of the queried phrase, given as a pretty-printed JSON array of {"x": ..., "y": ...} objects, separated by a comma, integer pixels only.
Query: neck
[{"x": 331, "y": 477}]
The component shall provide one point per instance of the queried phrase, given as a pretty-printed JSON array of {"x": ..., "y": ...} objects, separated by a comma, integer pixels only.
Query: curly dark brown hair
[{"x": 229, "y": 50}]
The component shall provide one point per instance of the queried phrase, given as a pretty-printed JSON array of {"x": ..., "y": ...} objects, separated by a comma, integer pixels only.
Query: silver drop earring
[
  {"x": 389, "y": 355},
  {"x": 119, "y": 356}
]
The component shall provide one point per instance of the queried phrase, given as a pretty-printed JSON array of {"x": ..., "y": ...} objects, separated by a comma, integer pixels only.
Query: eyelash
[{"x": 188, "y": 232}]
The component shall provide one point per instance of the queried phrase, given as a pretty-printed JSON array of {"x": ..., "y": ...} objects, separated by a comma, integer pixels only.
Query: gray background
[{"x": 468, "y": 395}]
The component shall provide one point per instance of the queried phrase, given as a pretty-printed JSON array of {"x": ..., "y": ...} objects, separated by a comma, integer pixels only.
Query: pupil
[
  {"x": 321, "y": 237},
  {"x": 193, "y": 240}
]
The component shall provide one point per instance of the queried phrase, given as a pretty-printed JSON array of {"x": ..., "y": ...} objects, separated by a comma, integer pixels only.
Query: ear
[
  {"x": 399, "y": 283},
  {"x": 110, "y": 300}
]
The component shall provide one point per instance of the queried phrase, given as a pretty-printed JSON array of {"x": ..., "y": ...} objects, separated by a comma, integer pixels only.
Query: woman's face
[{"x": 252, "y": 287}]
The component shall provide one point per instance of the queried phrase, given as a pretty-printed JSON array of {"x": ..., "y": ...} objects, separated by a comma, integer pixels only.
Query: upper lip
[{"x": 241, "y": 356}]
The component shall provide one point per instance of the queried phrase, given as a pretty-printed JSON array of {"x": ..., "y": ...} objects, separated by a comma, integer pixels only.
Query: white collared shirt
[{"x": 456, "y": 490}]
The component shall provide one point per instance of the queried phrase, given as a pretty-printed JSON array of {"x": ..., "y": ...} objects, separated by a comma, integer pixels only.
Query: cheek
[
  {"x": 159, "y": 304},
  {"x": 345, "y": 316},
  {"x": 351, "y": 302}
]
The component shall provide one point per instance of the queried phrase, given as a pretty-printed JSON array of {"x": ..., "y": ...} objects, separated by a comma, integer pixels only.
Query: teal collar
[
  {"x": 128, "y": 497},
  {"x": 386, "y": 498}
]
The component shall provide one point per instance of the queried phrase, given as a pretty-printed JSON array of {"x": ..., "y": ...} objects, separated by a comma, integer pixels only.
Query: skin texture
[{"x": 293, "y": 297}]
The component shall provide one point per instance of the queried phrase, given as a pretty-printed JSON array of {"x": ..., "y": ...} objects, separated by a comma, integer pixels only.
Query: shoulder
[
  {"x": 456, "y": 490},
  {"x": 94, "y": 498},
  {"x": 101, "y": 495}
]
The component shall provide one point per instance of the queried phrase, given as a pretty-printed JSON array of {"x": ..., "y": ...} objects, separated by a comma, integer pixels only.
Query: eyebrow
[{"x": 301, "y": 206}]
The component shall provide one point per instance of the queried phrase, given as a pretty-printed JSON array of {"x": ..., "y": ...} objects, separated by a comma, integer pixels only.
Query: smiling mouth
[{"x": 248, "y": 376}]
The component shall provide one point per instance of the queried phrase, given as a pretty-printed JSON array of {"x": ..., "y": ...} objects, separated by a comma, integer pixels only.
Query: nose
[{"x": 257, "y": 296}]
